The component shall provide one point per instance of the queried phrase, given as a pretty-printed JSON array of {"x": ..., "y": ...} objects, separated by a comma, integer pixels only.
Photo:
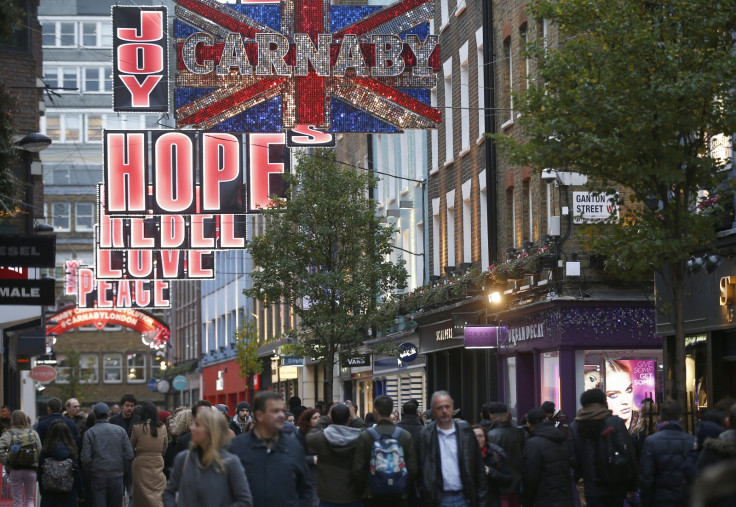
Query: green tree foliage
[
  {"x": 78, "y": 378},
  {"x": 629, "y": 96},
  {"x": 325, "y": 255},
  {"x": 246, "y": 351}
]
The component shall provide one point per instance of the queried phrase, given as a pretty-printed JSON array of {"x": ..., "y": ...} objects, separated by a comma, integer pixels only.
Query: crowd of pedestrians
[{"x": 329, "y": 456}]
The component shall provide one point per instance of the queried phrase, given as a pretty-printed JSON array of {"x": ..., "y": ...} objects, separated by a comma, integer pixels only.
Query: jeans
[
  {"x": 106, "y": 491},
  {"x": 453, "y": 500},
  {"x": 22, "y": 484}
]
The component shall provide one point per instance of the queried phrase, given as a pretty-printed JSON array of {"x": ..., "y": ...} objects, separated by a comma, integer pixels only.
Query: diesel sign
[{"x": 28, "y": 251}]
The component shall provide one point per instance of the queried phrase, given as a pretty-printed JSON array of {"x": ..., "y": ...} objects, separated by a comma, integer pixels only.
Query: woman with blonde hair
[
  {"x": 207, "y": 474},
  {"x": 22, "y": 476}
]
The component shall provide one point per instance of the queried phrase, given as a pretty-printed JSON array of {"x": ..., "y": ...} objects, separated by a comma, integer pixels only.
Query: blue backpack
[{"x": 388, "y": 475}]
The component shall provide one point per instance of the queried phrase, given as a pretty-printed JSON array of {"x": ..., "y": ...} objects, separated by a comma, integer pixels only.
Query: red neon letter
[
  {"x": 140, "y": 94},
  {"x": 173, "y": 231},
  {"x": 174, "y": 159},
  {"x": 86, "y": 285},
  {"x": 124, "y": 297},
  {"x": 220, "y": 164},
  {"x": 138, "y": 237},
  {"x": 260, "y": 168},
  {"x": 198, "y": 239},
  {"x": 194, "y": 265},
  {"x": 170, "y": 263},
  {"x": 103, "y": 299},
  {"x": 152, "y": 28},
  {"x": 126, "y": 172},
  {"x": 140, "y": 58},
  {"x": 140, "y": 263},
  {"x": 104, "y": 265},
  {"x": 227, "y": 233},
  {"x": 159, "y": 286},
  {"x": 142, "y": 295}
]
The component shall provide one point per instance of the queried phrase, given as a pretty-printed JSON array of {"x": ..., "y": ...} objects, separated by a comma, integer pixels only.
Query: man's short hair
[
  {"x": 410, "y": 408},
  {"x": 593, "y": 396},
  {"x": 437, "y": 394},
  {"x": 669, "y": 410},
  {"x": 485, "y": 410},
  {"x": 127, "y": 397},
  {"x": 384, "y": 405},
  {"x": 295, "y": 402},
  {"x": 536, "y": 416},
  {"x": 340, "y": 414},
  {"x": 548, "y": 407},
  {"x": 54, "y": 404},
  {"x": 199, "y": 403},
  {"x": 261, "y": 400},
  {"x": 497, "y": 407}
]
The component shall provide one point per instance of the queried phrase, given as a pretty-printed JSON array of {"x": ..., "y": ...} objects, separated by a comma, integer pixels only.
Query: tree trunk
[
  {"x": 329, "y": 367},
  {"x": 677, "y": 388}
]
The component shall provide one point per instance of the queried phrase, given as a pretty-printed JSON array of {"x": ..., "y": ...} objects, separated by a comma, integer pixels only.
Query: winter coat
[
  {"x": 191, "y": 485},
  {"x": 472, "y": 470},
  {"x": 664, "y": 478},
  {"x": 335, "y": 447},
  {"x": 126, "y": 424},
  {"x": 45, "y": 424},
  {"x": 236, "y": 426},
  {"x": 363, "y": 455},
  {"x": 147, "y": 470},
  {"x": 277, "y": 476},
  {"x": 56, "y": 499},
  {"x": 584, "y": 437},
  {"x": 511, "y": 439},
  {"x": 498, "y": 473},
  {"x": 546, "y": 478},
  {"x": 716, "y": 450},
  {"x": 413, "y": 424},
  {"x": 107, "y": 451},
  {"x": 561, "y": 422},
  {"x": 5, "y": 443}
]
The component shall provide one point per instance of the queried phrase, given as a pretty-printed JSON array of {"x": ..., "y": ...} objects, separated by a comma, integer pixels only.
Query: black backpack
[{"x": 613, "y": 456}]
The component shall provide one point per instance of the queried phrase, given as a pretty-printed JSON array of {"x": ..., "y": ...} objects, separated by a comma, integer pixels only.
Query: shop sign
[
  {"x": 28, "y": 251},
  {"x": 443, "y": 334},
  {"x": 133, "y": 319},
  {"x": 525, "y": 333},
  {"x": 292, "y": 361},
  {"x": 14, "y": 273},
  {"x": 43, "y": 373},
  {"x": 592, "y": 207},
  {"x": 482, "y": 337},
  {"x": 152, "y": 384},
  {"x": 408, "y": 352},
  {"x": 28, "y": 292},
  {"x": 256, "y": 382},
  {"x": 179, "y": 382},
  {"x": 357, "y": 361},
  {"x": 163, "y": 386}
]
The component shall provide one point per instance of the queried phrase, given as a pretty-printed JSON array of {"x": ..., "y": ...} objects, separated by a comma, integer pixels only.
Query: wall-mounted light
[
  {"x": 494, "y": 297},
  {"x": 34, "y": 142}
]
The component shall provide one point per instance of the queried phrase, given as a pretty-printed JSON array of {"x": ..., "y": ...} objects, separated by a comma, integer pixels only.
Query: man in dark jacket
[
  {"x": 585, "y": 436},
  {"x": 485, "y": 417},
  {"x": 410, "y": 420},
  {"x": 126, "y": 418},
  {"x": 451, "y": 463},
  {"x": 276, "y": 469},
  {"x": 665, "y": 477},
  {"x": 721, "y": 448},
  {"x": 558, "y": 418},
  {"x": 53, "y": 407},
  {"x": 335, "y": 438},
  {"x": 241, "y": 418},
  {"x": 546, "y": 479},
  {"x": 511, "y": 439},
  {"x": 382, "y": 408}
]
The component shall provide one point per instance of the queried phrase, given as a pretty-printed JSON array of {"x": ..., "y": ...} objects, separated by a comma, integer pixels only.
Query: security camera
[{"x": 550, "y": 176}]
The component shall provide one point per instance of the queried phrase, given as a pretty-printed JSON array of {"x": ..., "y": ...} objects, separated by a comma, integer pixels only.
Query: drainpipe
[{"x": 489, "y": 98}]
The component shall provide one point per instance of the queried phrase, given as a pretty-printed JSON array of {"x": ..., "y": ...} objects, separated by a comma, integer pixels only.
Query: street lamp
[{"x": 34, "y": 142}]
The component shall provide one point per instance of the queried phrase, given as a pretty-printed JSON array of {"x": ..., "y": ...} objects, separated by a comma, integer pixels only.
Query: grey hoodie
[{"x": 341, "y": 436}]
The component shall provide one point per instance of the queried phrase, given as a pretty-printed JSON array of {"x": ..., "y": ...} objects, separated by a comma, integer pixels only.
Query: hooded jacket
[
  {"x": 716, "y": 450},
  {"x": 335, "y": 446},
  {"x": 665, "y": 471},
  {"x": 585, "y": 432},
  {"x": 106, "y": 451},
  {"x": 546, "y": 479}
]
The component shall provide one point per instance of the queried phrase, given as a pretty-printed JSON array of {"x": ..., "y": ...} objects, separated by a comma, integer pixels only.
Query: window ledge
[
  {"x": 434, "y": 171},
  {"x": 465, "y": 151},
  {"x": 460, "y": 8},
  {"x": 404, "y": 190},
  {"x": 507, "y": 124},
  {"x": 448, "y": 162},
  {"x": 480, "y": 140}
]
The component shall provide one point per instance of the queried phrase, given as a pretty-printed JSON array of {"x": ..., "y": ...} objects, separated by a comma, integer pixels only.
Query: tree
[
  {"x": 78, "y": 376},
  {"x": 325, "y": 255},
  {"x": 630, "y": 97},
  {"x": 246, "y": 351}
]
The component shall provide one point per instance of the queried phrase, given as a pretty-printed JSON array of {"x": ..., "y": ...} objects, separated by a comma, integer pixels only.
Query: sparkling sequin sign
[{"x": 266, "y": 67}]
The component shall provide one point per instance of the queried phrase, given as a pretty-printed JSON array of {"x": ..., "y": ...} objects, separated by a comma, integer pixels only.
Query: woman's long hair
[
  {"x": 19, "y": 419},
  {"x": 304, "y": 423},
  {"x": 59, "y": 432},
  {"x": 218, "y": 437},
  {"x": 648, "y": 419},
  {"x": 149, "y": 418}
]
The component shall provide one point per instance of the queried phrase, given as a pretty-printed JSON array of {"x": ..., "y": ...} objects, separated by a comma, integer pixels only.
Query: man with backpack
[
  {"x": 385, "y": 459},
  {"x": 601, "y": 452},
  {"x": 667, "y": 461},
  {"x": 453, "y": 472}
]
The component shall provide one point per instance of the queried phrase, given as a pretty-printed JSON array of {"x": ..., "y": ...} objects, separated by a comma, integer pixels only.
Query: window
[
  {"x": 157, "y": 361},
  {"x": 467, "y": 223},
  {"x": 112, "y": 369},
  {"x": 464, "y": 100},
  {"x": 48, "y": 33},
  {"x": 106, "y": 33},
  {"x": 52, "y": 126},
  {"x": 450, "y": 225},
  {"x": 511, "y": 216},
  {"x": 62, "y": 373},
  {"x": 508, "y": 79},
  {"x": 136, "y": 367},
  {"x": 94, "y": 128},
  {"x": 89, "y": 365},
  {"x": 60, "y": 216},
  {"x": 481, "y": 85},
  {"x": 92, "y": 79},
  {"x": 524, "y": 35},
  {"x": 436, "y": 236},
  {"x": 527, "y": 204},
  {"x": 484, "y": 255},
  {"x": 72, "y": 128},
  {"x": 550, "y": 377},
  {"x": 444, "y": 14},
  {"x": 434, "y": 135},
  {"x": 449, "y": 148},
  {"x": 84, "y": 216},
  {"x": 67, "y": 34}
]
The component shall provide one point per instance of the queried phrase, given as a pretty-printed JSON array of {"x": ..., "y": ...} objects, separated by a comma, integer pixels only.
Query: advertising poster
[{"x": 627, "y": 383}]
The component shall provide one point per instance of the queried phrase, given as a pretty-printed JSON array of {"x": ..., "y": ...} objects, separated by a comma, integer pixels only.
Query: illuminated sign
[
  {"x": 157, "y": 331},
  {"x": 266, "y": 67},
  {"x": 140, "y": 63},
  {"x": 96, "y": 293},
  {"x": 71, "y": 285}
]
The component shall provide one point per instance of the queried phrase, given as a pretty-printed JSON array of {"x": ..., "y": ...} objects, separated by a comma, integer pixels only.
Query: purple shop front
[{"x": 554, "y": 351}]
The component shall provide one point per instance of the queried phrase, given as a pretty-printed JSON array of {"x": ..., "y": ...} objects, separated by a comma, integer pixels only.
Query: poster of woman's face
[{"x": 627, "y": 383}]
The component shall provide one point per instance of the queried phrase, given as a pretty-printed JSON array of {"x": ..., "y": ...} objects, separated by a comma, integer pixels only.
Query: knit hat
[
  {"x": 222, "y": 408},
  {"x": 240, "y": 406},
  {"x": 163, "y": 415},
  {"x": 101, "y": 409}
]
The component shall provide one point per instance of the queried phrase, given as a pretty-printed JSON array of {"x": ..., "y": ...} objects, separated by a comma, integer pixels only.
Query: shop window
[
  {"x": 84, "y": 216},
  {"x": 112, "y": 368},
  {"x": 158, "y": 364},
  {"x": 136, "y": 367},
  {"x": 510, "y": 385},
  {"x": 89, "y": 365},
  {"x": 550, "y": 377}
]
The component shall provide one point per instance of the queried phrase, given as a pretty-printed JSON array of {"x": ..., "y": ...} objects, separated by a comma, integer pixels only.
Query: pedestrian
[
  {"x": 276, "y": 470},
  {"x": 367, "y": 469},
  {"x": 452, "y": 469},
  {"x": 498, "y": 474},
  {"x": 646, "y": 425},
  {"x": 207, "y": 474},
  {"x": 586, "y": 441},
  {"x": 149, "y": 440},
  {"x": 72, "y": 412},
  {"x": 59, "y": 463},
  {"x": 296, "y": 407},
  {"x": 485, "y": 416},
  {"x": 106, "y": 458},
  {"x": 5, "y": 419},
  {"x": 53, "y": 407},
  {"x": 410, "y": 421},
  {"x": 665, "y": 478},
  {"x": 179, "y": 427},
  {"x": 334, "y": 438},
  {"x": 126, "y": 418},
  {"x": 21, "y": 466},
  {"x": 241, "y": 418},
  {"x": 721, "y": 448},
  {"x": 558, "y": 417},
  {"x": 306, "y": 421},
  {"x": 114, "y": 409},
  {"x": 546, "y": 472},
  {"x": 511, "y": 439}
]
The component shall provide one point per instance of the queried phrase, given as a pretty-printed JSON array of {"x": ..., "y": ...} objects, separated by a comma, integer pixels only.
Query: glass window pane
[
  {"x": 49, "y": 33},
  {"x": 158, "y": 364},
  {"x": 92, "y": 79},
  {"x": 89, "y": 34},
  {"x": 66, "y": 37},
  {"x": 106, "y": 34},
  {"x": 60, "y": 177},
  {"x": 72, "y": 128},
  {"x": 88, "y": 368},
  {"x": 51, "y": 76},
  {"x": 70, "y": 79},
  {"x": 112, "y": 368},
  {"x": 94, "y": 128},
  {"x": 60, "y": 216},
  {"x": 136, "y": 367},
  {"x": 108, "y": 79},
  {"x": 115, "y": 123},
  {"x": 84, "y": 216},
  {"x": 53, "y": 129}
]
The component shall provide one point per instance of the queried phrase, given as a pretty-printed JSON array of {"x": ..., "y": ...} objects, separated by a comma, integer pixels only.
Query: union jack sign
[{"x": 270, "y": 66}]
